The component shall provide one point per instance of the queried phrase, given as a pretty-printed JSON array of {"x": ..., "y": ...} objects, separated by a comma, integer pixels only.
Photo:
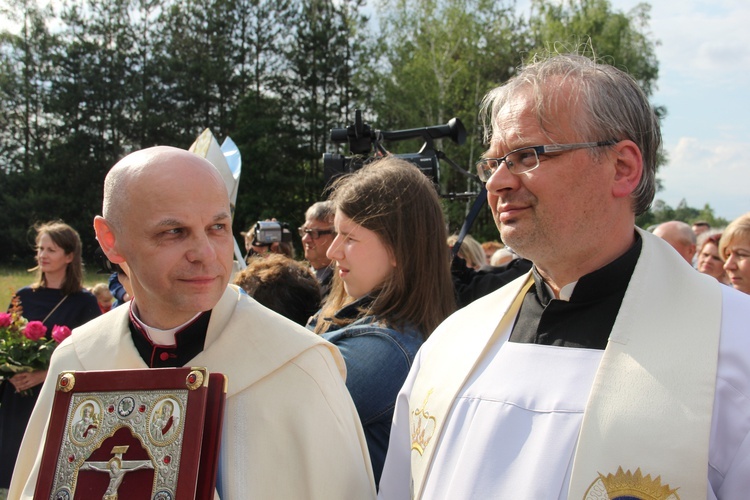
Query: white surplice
[
  {"x": 541, "y": 413},
  {"x": 513, "y": 426}
]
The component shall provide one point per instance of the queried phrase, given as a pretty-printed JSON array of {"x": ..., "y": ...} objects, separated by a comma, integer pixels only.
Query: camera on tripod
[{"x": 363, "y": 139}]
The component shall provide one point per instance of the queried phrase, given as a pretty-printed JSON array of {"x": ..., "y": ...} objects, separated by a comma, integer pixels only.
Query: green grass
[{"x": 11, "y": 279}]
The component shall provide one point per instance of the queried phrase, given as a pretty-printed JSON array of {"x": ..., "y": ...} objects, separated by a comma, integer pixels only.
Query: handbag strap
[{"x": 54, "y": 309}]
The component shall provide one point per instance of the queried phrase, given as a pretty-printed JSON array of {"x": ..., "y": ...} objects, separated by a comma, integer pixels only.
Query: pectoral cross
[{"x": 117, "y": 468}]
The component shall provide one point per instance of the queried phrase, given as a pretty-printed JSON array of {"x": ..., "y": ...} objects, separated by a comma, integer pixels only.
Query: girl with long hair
[{"x": 391, "y": 288}]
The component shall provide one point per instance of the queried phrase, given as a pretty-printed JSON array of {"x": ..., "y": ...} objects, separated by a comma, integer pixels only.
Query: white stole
[
  {"x": 651, "y": 403},
  {"x": 659, "y": 367}
]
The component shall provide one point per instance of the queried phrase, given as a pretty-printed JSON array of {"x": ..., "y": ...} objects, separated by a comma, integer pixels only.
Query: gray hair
[
  {"x": 606, "y": 102},
  {"x": 323, "y": 211}
]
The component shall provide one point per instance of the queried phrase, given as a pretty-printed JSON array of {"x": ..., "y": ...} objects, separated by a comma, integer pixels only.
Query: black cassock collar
[
  {"x": 586, "y": 320},
  {"x": 189, "y": 343}
]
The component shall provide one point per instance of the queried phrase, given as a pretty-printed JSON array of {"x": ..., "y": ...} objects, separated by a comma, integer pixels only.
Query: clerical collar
[
  {"x": 565, "y": 292},
  {"x": 585, "y": 320},
  {"x": 611, "y": 278},
  {"x": 155, "y": 335},
  {"x": 189, "y": 342}
]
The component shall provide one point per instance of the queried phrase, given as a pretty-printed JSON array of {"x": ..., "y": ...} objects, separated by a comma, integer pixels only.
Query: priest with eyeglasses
[{"x": 612, "y": 369}]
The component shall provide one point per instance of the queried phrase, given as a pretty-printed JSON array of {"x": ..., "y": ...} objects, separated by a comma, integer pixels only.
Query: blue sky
[{"x": 704, "y": 82}]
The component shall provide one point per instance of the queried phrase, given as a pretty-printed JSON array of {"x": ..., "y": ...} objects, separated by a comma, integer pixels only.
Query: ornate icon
[
  {"x": 165, "y": 421},
  {"x": 86, "y": 421}
]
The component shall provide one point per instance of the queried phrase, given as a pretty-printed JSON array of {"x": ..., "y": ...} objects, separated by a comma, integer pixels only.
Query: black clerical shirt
[
  {"x": 189, "y": 343},
  {"x": 587, "y": 319}
]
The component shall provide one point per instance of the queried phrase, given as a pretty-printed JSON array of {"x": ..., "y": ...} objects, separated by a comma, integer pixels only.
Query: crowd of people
[
  {"x": 580, "y": 355},
  {"x": 720, "y": 253}
]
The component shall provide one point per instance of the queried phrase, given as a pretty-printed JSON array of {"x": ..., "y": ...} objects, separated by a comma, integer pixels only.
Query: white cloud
[
  {"x": 704, "y": 40},
  {"x": 701, "y": 171},
  {"x": 704, "y": 67}
]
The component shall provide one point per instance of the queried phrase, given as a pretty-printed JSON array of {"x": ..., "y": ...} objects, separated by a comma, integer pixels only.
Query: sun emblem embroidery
[
  {"x": 629, "y": 486},
  {"x": 422, "y": 427}
]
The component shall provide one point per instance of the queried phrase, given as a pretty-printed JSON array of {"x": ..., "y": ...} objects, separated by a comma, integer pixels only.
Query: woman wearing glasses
[{"x": 391, "y": 288}]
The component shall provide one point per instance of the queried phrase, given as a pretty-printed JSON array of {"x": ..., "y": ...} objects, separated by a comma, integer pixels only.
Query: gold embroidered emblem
[
  {"x": 631, "y": 486},
  {"x": 422, "y": 426}
]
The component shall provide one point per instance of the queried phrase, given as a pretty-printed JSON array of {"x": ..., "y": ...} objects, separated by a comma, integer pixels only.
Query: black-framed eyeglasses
[
  {"x": 526, "y": 159},
  {"x": 314, "y": 233}
]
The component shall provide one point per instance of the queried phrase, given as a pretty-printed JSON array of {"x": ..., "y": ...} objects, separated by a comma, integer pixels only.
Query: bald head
[
  {"x": 167, "y": 215},
  {"x": 144, "y": 167},
  {"x": 680, "y": 235}
]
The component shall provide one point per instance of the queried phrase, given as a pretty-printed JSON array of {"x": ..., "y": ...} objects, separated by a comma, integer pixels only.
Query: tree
[
  {"x": 25, "y": 130},
  {"x": 25, "y": 67},
  {"x": 320, "y": 66},
  {"x": 198, "y": 74},
  {"x": 441, "y": 59},
  {"x": 118, "y": 75},
  {"x": 150, "y": 99},
  {"x": 662, "y": 212},
  {"x": 592, "y": 27},
  {"x": 258, "y": 36}
]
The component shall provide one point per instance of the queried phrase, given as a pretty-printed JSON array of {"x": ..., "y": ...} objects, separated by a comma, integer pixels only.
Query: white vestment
[
  {"x": 513, "y": 427},
  {"x": 290, "y": 427}
]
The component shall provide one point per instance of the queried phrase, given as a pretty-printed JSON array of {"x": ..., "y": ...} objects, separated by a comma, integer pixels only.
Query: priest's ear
[
  {"x": 106, "y": 237},
  {"x": 628, "y": 163}
]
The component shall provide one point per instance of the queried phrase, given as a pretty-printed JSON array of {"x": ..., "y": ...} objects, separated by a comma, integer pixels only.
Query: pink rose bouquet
[{"x": 23, "y": 345}]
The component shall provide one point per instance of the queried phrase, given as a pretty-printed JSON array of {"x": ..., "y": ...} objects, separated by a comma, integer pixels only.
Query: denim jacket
[{"x": 378, "y": 359}]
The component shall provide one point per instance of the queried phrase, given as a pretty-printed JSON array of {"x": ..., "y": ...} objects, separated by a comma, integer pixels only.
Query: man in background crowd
[
  {"x": 680, "y": 236},
  {"x": 317, "y": 235},
  {"x": 700, "y": 227}
]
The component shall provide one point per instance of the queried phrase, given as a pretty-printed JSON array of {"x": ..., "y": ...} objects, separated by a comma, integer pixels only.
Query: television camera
[
  {"x": 269, "y": 232},
  {"x": 363, "y": 139}
]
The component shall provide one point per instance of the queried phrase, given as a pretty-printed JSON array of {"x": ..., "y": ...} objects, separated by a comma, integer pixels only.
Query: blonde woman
[{"x": 734, "y": 248}]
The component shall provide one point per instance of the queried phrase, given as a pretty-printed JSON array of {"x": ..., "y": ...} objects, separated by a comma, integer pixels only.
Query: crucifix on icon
[{"x": 117, "y": 468}]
